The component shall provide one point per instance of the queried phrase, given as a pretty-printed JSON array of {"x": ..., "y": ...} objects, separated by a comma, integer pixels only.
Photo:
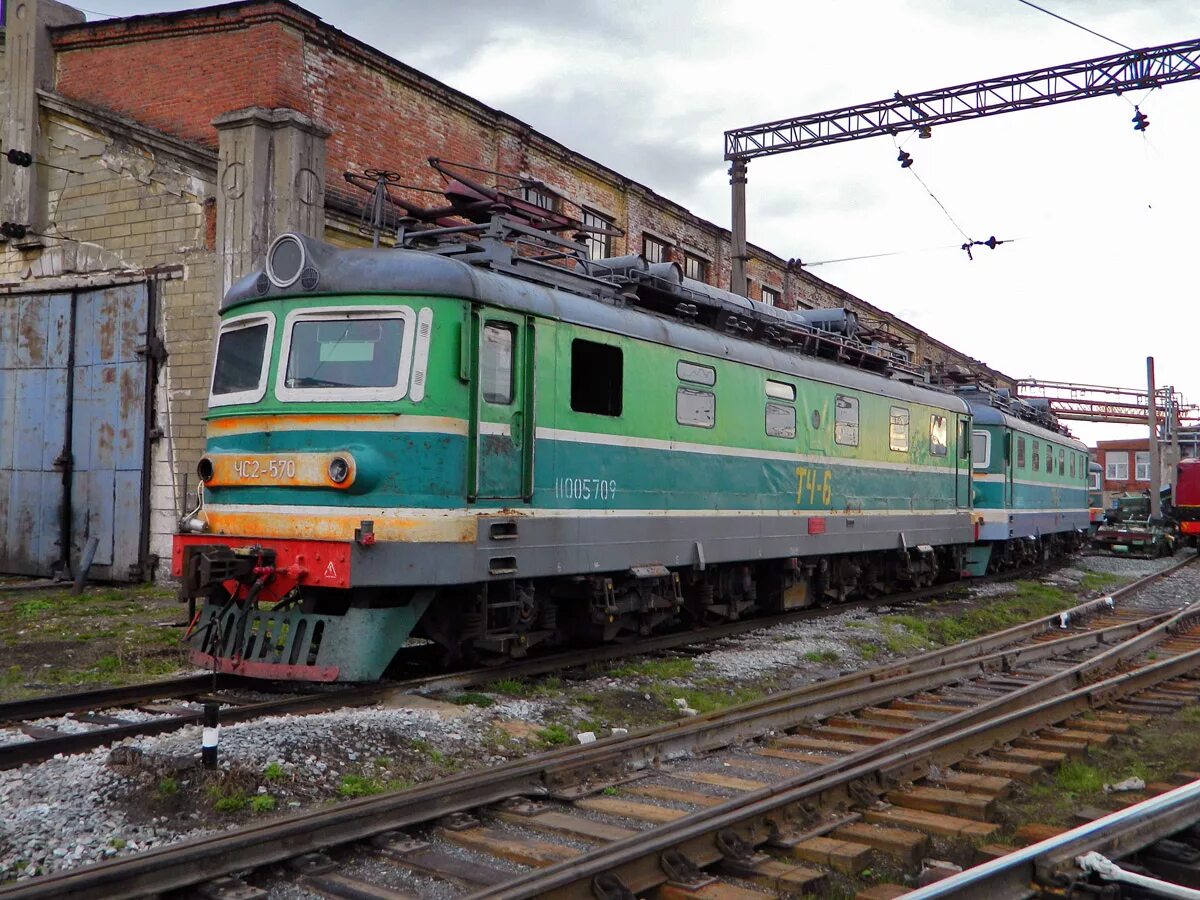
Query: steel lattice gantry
[{"x": 1132, "y": 70}]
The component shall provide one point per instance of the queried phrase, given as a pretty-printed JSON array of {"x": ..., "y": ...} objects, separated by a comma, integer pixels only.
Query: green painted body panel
[{"x": 631, "y": 461}]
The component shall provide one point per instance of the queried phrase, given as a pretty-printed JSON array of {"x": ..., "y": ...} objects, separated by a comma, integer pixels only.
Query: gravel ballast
[{"x": 69, "y": 812}]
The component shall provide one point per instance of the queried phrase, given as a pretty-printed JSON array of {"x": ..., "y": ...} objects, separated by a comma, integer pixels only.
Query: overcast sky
[{"x": 1100, "y": 273}]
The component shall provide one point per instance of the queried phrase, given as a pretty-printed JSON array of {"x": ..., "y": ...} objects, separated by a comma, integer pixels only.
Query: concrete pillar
[
  {"x": 737, "y": 254},
  {"x": 270, "y": 179},
  {"x": 28, "y": 68}
]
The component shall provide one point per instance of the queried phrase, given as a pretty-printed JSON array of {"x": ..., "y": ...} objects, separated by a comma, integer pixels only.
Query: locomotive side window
[
  {"x": 1062, "y": 461},
  {"x": 937, "y": 435},
  {"x": 1050, "y": 457},
  {"x": 1020, "y": 452},
  {"x": 698, "y": 408},
  {"x": 781, "y": 390},
  {"x": 346, "y": 354},
  {"x": 845, "y": 420},
  {"x": 964, "y": 441},
  {"x": 496, "y": 363},
  {"x": 781, "y": 420},
  {"x": 240, "y": 367},
  {"x": 981, "y": 449},
  {"x": 689, "y": 371},
  {"x": 597, "y": 376},
  {"x": 1072, "y": 465},
  {"x": 1037, "y": 464},
  {"x": 898, "y": 429}
]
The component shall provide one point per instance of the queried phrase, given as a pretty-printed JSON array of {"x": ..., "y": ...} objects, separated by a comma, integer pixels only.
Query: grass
[
  {"x": 168, "y": 787},
  {"x": 822, "y": 656},
  {"x": 1101, "y": 581},
  {"x": 262, "y": 803},
  {"x": 1079, "y": 778},
  {"x": 657, "y": 668},
  {"x": 554, "y": 736},
  {"x": 228, "y": 801},
  {"x": 360, "y": 786},
  {"x": 472, "y": 699},
  {"x": 274, "y": 772},
  {"x": 1031, "y": 600}
]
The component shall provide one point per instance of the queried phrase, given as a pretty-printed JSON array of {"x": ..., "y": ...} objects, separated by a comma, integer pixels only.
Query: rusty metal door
[
  {"x": 108, "y": 430},
  {"x": 74, "y": 400},
  {"x": 35, "y": 342}
]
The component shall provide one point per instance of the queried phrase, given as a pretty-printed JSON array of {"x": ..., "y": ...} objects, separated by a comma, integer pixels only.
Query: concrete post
[
  {"x": 270, "y": 179},
  {"x": 737, "y": 252},
  {"x": 28, "y": 68}
]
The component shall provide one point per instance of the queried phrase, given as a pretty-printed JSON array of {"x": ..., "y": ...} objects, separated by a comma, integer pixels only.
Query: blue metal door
[
  {"x": 73, "y": 437},
  {"x": 35, "y": 340},
  {"x": 108, "y": 430}
]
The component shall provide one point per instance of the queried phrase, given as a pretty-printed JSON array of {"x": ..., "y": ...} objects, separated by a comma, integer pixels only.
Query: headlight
[
  {"x": 339, "y": 470},
  {"x": 285, "y": 260}
]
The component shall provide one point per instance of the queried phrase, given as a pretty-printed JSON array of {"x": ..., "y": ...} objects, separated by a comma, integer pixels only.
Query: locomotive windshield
[
  {"x": 240, "y": 370},
  {"x": 349, "y": 353}
]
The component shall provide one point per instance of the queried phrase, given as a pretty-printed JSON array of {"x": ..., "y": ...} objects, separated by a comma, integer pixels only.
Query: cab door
[
  {"x": 501, "y": 425},
  {"x": 1010, "y": 464},
  {"x": 962, "y": 464}
]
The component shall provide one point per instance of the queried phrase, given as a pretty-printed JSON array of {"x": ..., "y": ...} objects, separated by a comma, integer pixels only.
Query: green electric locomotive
[{"x": 486, "y": 440}]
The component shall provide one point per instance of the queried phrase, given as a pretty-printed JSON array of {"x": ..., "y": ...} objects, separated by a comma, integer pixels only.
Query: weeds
[
  {"x": 168, "y": 787},
  {"x": 472, "y": 699},
  {"x": 274, "y": 772},
  {"x": 1076, "y": 777},
  {"x": 360, "y": 786},
  {"x": 657, "y": 668},
  {"x": 822, "y": 656},
  {"x": 262, "y": 803},
  {"x": 554, "y": 736}
]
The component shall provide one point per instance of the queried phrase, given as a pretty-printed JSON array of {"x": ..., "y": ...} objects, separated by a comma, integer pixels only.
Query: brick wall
[{"x": 178, "y": 71}]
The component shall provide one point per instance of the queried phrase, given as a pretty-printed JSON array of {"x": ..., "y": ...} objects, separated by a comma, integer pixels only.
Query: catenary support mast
[{"x": 1150, "y": 67}]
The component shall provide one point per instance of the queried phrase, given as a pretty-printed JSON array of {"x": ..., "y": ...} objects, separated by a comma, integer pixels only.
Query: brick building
[{"x": 170, "y": 150}]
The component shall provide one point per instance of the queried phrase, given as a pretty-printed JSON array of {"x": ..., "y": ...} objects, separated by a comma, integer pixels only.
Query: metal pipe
[
  {"x": 1152, "y": 420},
  {"x": 963, "y": 883},
  {"x": 1107, "y": 870}
]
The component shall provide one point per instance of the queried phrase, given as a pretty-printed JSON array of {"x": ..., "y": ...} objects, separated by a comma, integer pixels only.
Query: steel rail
[
  {"x": 759, "y": 815},
  {"x": 1052, "y": 862},
  {"x": 16, "y": 754},
  {"x": 188, "y": 863}
]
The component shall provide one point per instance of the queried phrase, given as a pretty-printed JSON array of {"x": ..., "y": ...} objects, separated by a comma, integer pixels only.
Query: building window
[
  {"x": 937, "y": 435},
  {"x": 1020, "y": 452},
  {"x": 698, "y": 408},
  {"x": 781, "y": 420},
  {"x": 1142, "y": 463},
  {"x": 596, "y": 378},
  {"x": 599, "y": 245},
  {"x": 770, "y": 296},
  {"x": 1116, "y": 466},
  {"x": 496, "y": 363},
  {"x": 898, "y": 429},
  {"x": 845, "y": 420},
  {"x": 540, "y": 196},
  {"x": 655, "y": 250},
  {"x": 695, "y": 267}
]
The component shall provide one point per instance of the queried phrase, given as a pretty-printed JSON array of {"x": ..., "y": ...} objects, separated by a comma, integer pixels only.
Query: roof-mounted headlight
[{"x": 286, "y": 259}]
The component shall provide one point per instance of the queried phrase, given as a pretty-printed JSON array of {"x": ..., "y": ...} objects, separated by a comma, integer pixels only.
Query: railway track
[
  {"x": 96, "y": 718},
  {"x": 840, "y": 770}
]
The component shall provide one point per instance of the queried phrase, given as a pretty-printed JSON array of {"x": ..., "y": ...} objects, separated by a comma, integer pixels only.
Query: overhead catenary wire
[{"x": 1071, "y": 22}]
